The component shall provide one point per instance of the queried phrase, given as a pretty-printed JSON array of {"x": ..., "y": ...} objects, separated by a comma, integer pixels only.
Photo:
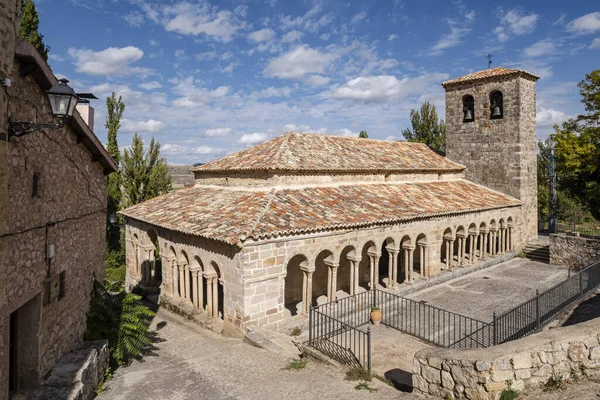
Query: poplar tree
[
  {"x": 115, "y": 108},
  {"x": 427, "y": 128},
  {"x": 28, "y": 28}
]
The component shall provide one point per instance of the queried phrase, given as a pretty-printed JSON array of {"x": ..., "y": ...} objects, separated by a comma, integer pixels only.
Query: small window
[
  {"x": 62, "y": 283},
  {"x": 35, "y": 189},
  {"x": 468, "y": 108},
  {"x": 496, "y": 105}
]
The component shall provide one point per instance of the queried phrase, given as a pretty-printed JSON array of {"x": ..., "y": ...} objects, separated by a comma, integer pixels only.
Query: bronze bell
[
  {"x": 468, "y": 115},
  {"x": 496, "y": 112}
]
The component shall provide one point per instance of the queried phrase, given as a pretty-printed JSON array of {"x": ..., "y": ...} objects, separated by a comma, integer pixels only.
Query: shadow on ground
[
  {"x": 401, "y": 379},
  {"x": 585, "y": 311}
]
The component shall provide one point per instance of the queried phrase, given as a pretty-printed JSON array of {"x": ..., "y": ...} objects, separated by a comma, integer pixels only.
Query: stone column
[
  {"x": 186, "y": 281},
  {"x": 215, "y": 294},
  {"x": 451, "y": 253},
  {"x": 461, "y": 250},
  {"x": 411, "y": 262},
  {"x": 392, "y": 267},
  {"x": 484, "y": 252},
  {"x": 209, "y": 295},
  {"x": 473, "y": 255},
  {"x": 309, "y": 277},
  {"x": 200, "y": 280},
  {"x": 334, "y": 282},
  {"x": 425, "y": 261},
  {"x": 421, "y": 260},
  {"x": 352, "y": 277},
  {"x": 510, "y": 242},
  {"x": 447, "y": 253},
  {"x": 151, "y": 265},
  {"x": 331, "y": 280},
  {"x": 195, "y": 296},
  {"x": 406, "y": 266},
  {"x": 181, "y": 281},
  {"x": 374, "y": 268}
]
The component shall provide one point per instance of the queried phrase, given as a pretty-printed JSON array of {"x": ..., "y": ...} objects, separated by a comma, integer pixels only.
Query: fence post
[
  {"x": 580, "y": 284},
  {"x": 537, "y": 310},
  {"x": 494, "y": 332},
  {"x": 369, "y": 349},
  {"x": 310, "y": 325}
]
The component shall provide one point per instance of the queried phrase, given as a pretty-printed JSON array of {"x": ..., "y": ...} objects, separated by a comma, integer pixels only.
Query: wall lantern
[{"x": 63, "y": 100}]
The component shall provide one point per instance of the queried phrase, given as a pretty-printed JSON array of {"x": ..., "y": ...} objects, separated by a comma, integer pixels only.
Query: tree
[
  {"x": 363, "y": 134},
  {"x": 28, "y": 28},
  {"x": 589, "y": 88},
  {"x": 115, "y": 108},
  {"x": 144, "y": 174},
  {"x": 426, "y": 128}
]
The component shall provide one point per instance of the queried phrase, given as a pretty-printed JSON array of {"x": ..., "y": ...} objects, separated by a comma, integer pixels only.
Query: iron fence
[
  {"x": 345, "y": 343},
  {"x": 583, "y": 231}
]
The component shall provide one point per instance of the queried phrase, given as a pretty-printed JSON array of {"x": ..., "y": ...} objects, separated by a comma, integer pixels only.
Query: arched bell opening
[
  {"x": 468, "y": 108},
  {"x": 496, "y": 105}
]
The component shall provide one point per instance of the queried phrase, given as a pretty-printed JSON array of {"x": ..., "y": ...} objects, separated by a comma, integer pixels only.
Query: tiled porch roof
[
  {"x": 315, "y": 152},
  {"x": 232, "y": 215},
  {"x": 488, "y": 73}
]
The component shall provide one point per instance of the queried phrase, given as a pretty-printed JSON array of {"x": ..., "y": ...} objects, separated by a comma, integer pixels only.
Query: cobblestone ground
[{"x": 189, "y": 362}]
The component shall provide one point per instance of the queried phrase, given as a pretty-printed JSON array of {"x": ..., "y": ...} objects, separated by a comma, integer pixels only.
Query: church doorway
[{"x": 24, "y": 346}]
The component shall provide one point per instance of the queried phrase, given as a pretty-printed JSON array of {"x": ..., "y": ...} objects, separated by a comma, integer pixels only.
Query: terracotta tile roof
[
  {"x": 488, "y": 73},
  {"x": 233, "y": 215},
  {"x": 313, "y": 152}
]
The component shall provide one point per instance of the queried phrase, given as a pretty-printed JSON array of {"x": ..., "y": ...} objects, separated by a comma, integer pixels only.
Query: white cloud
[
  {"x": 134, "y": 19},
  {"x": 113, "y": 61},
  {"x": 393, "y": 36},
  {"x": 213, "y": 132},
  {"x": 196, "y": 19},
  {"x": 170, "y": 149},
  {"x": 253, "y": 138},
  {"x": 150, "y": 85},
  {"x": 514, "y": 22},
  {"x": 179, "y": 53},
  {"x": 384, "y": 88},
  {"x": 296, "y": 128},
  {"x": 470, "y": 16},
  {"x": 151, "y": 125},
  {"x": 55, "y": 57},
  {"x": 207, "y": 56},
  {"x": 541, "y": 48},
  {"x": 361, "y": 16},
  {"x": 274, "y": 92},
  {"x": 450, "y": 39},
  {"x": 595, "y": 44},
  {"x": 193, "y": 96},
  {"x": 262, "y": 35},
  {"x": 589, "y": 23},
  {"x": 299, "y": 62},
  {"x": 292, "y": 36},
  {"x": 549, "y": 117},
  {"x": 317, "y": 80}
]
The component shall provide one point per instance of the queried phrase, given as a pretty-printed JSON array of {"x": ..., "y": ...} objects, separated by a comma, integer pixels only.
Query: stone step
[
  {"x": 537, "y": 253},
  {"x": 273, "y": 341}
]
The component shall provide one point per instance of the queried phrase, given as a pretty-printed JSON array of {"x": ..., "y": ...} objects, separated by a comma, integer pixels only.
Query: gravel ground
[
  {"x": 189, "y": 362},
  {"x": 584, "y": 390}
]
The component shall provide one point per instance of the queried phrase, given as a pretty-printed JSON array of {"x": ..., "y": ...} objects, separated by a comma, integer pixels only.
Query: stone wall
[
  {"x": 77, "y": 373},
  {"x": 573, "y": 251},
  {"x": 480, "y": 374},
  {"x": 498, "y": 153},
  {"x": 68, "y": 211}
]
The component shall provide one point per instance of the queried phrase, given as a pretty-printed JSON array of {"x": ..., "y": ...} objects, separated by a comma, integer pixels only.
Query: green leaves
[
  {"x": 363, "y": 134},
  {"x": 28, "y": 28},
  {"x": 144, "y": 173},
  {"x": 426, "y": 128},
  {"x": 121, "y": 319}
]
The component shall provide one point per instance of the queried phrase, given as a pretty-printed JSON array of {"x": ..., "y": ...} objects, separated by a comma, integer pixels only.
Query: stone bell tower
[{"x": 490, "y": 128}]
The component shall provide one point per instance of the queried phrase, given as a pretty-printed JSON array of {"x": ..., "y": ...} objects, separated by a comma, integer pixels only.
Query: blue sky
[{"x": 207, "y": 78}]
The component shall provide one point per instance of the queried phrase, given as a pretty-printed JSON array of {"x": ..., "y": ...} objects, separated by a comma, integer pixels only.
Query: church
[{"x": 306, "y": 218}]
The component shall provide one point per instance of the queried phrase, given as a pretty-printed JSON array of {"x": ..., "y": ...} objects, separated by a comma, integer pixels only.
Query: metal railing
[
  {"x": 345, "y": 343},
  {"x": 583, "y": 231}
]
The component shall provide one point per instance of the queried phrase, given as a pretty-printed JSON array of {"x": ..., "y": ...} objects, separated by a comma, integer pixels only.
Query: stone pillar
[
  {"x": 392, "y": 267},
  {"x": 421, "y": 260},
  {"x": 451, "y": 253},
  {"x": 353, "y": 276},
  {"x": 200, "y": 280},
  {"x": 406, "y": 266},
  {"x": 181, "y": 281},
  {"x": 308, "y": 276},
  {"x": 186, "y": 281},
  {"x": 195, "y": 297},
  {"x": 331, "y": 280},
  {"x": 151, "y": 265},
  {"x": 425, "y": 261},
  {"x": 485, "y": 245},
  {"x": 461, "y": 250},
  {"x": 473, "y": 253},
  {"x": 215, "y": 294},
  {"x": 374, "y": 268},
  {"x": 447, "y": 253},
  {"x": 510, "y": 241},
  {"x": 411, "y": 263},
  {"x": 209, "y": 294}
]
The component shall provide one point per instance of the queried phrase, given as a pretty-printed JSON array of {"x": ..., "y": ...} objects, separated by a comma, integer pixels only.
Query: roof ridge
[
  {"x": 255, "y": 221},
  {"x": 286, "y": 138}
]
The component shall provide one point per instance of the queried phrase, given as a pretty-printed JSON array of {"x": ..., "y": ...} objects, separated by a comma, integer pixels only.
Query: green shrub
[
  {"x": 358, "y": 374},
  {"x": 509, "y": 394},
  {"x": 296, "y": 364},
  {"x": 364, "y": 386},
  {"x": 121, "y": 319}
]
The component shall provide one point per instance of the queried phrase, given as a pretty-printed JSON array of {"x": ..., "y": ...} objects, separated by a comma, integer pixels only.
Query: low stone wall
[
  {"x": 573, "y": 251},
  {"x": 480, "y": 374},
  {"x": 77, "y": 374}
]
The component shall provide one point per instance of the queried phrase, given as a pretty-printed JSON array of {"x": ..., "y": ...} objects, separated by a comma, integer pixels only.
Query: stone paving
[
  {"x": 193, "y": 363},
  {"x": 498, "y": 288}
]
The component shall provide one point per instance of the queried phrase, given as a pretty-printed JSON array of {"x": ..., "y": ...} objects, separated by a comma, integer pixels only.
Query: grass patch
[
  {"x": 554, "y": 383},
  {"x": 364, "y": 386},
  {"x": 358, "y": 374},
  {"x": 295, "y": 365},
  {"x": 509, "y": 394},
  {"x": 383, "y": 379},
  {"x": 522, "y": 254},
  {"x": 296, "y": 332}
]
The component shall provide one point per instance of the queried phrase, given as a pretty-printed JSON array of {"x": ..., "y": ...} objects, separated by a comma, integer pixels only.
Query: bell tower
[{"x": 490, "y": 128}]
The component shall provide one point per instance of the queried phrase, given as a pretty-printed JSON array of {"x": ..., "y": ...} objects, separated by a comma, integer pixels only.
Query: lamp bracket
[{"x": 20, "y": 128}]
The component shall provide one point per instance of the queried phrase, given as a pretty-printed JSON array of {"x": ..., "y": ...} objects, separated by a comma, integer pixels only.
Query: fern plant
[{"x": 121, "y": 319}]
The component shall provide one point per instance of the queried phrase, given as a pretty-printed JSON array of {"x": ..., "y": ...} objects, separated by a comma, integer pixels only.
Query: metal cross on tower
[{"x": 489, "y": 58}]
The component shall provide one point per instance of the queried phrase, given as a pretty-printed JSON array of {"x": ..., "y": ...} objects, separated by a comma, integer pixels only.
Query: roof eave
[
  {"x": 459, "y": 81},
  {"x": 33, "y": 64}
]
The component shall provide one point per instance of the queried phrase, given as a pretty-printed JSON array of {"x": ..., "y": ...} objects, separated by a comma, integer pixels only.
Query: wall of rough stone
[
  {"x": 480, "y": 374},
  {"x": 72, "y": 194},
  {"x": 573, "y": 251},
  {"x": 498, "y": 153}
]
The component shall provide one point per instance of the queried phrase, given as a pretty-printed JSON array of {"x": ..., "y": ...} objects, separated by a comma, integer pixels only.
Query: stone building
[
  {"x": 307, "y": 218},
  {"x": 52, "y": 222}
]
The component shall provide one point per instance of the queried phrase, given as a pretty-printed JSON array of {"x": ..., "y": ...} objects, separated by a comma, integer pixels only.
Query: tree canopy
[
  {"x": 115, "y": 108},
  {"x": 144, "y": 173},
  {"x": 28, "y": 28},
  {"x": 363, "y": 134},
  {"x": 427, "y": 128}
]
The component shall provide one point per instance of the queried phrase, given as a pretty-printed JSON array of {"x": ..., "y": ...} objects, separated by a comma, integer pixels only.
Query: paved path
[
  {"x": 192, "y": 363},
  {"x": 497, "y": 288}
]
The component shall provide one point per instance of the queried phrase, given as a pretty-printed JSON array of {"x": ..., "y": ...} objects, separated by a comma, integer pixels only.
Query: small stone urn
[{"x": 375, "y": 315}]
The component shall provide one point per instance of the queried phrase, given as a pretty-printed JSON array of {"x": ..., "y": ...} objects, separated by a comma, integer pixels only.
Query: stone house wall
[
  {"x": 480, "y": 374},
  {"x": 573, "y": 251},
  {"x": 71, "y": 195},
  {"x": 498, "y": 153}
]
